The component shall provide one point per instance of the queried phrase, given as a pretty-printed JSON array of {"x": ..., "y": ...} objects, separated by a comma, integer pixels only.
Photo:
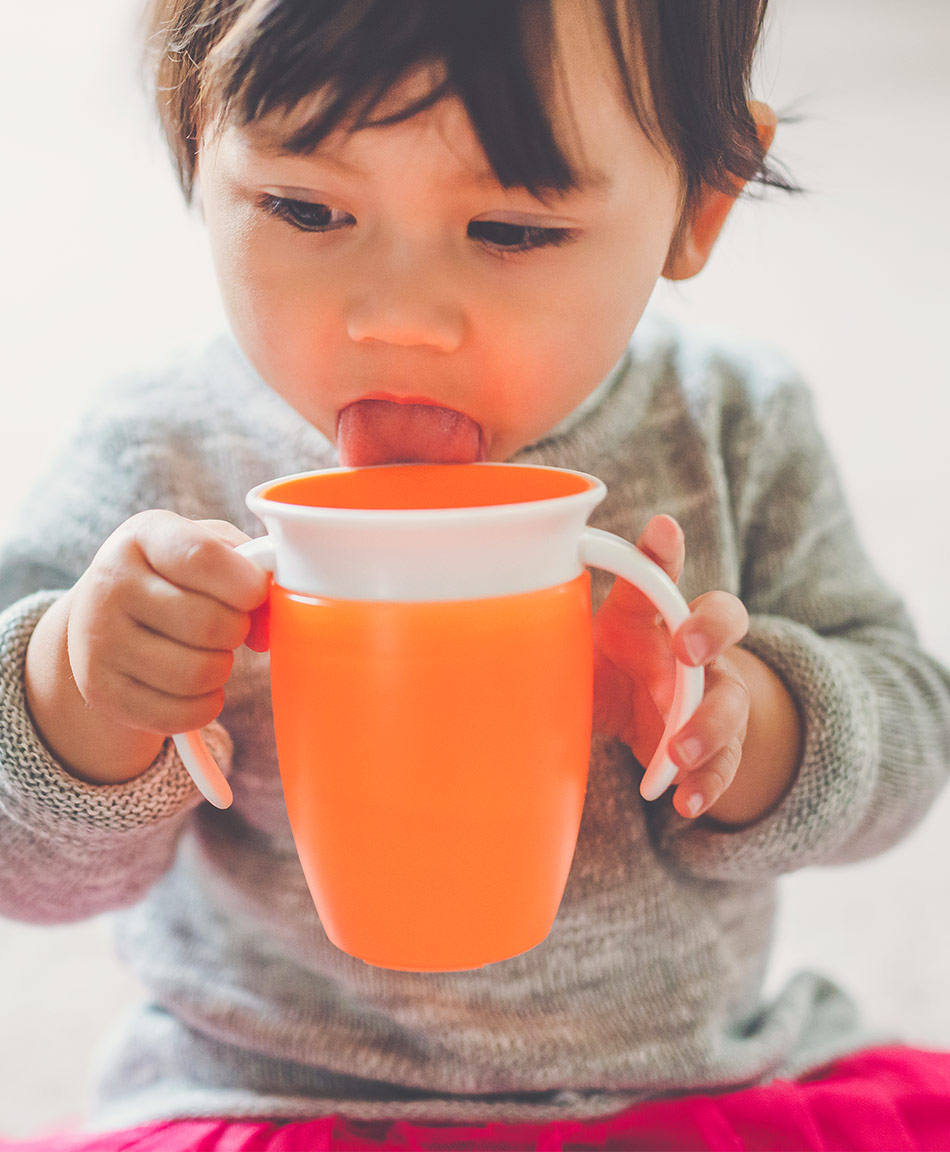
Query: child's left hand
[{"x": 634, "y": 671}]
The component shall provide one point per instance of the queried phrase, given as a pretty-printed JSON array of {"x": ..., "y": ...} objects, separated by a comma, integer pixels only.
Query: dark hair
[{"x": 244, "y": 59}]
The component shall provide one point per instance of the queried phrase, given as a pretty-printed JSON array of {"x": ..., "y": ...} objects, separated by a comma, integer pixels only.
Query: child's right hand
[{"x": 141, "y": 647}]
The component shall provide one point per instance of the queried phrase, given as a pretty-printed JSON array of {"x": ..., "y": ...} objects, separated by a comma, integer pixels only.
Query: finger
[
  {"x": 147, "y": 709},
  {"x": 717, "y": 621},
  {"x": 626, "y": 606},
  {"x": 624, "y": 707},
  {"x": 193, "y": 556},
  {"x": 258, "y": 637},
  {"x": 632, "y": 641},
  {"x": 702, "y": 788},
  {"x": 128, "y": 697},
  {"x": 169, "y": 667},
  {"x": 226, "y": 531},
  {"x": 190, "y": 618},
  {"x": 722, "y": 716},
  {"x": 663, "y": 541}
]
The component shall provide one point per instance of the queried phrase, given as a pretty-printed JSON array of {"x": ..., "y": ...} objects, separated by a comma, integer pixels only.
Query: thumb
[
  {"x": 663, "y": 541},
  {"x": 226, "y": 531},
  {"x": 258, "y": 637}
]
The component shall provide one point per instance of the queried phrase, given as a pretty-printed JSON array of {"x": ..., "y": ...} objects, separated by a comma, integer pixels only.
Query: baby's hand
[
  {"x": 155, "y": 619},
  {"x": 142, "y": 645},
  {"x": 634, "y": 672}
]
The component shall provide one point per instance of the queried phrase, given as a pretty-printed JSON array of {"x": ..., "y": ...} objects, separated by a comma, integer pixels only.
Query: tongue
[{"x": 385, "y": 432}]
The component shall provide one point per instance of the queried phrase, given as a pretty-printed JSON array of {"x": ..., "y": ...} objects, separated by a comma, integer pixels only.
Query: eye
[
  {"x": 501, "y": 236},
  {"x": 305, "y": 216}
]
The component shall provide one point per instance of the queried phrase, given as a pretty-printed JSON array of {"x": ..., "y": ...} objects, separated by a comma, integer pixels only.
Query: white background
[{"x": 102, "y": 268}]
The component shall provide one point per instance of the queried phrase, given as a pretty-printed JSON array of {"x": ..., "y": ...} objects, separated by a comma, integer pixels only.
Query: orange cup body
[
  {"x": 431, "y": 673},
  {"x": 434, "y": 762}
]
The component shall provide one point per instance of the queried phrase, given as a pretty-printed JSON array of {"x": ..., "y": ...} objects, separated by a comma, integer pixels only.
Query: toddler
[{"x": 436, "y": 226}]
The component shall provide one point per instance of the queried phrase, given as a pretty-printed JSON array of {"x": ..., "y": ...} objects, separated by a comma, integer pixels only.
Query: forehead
[
  {"x": 591, "y": 94},
  {"x": 444, "y": 129},
  {"x": 584, "y": 102}
]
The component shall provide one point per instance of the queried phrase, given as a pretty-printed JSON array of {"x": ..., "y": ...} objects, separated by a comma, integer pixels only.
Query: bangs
[
  {"x": 313, "y": 67},
  {"x": 328, "y": 66}
]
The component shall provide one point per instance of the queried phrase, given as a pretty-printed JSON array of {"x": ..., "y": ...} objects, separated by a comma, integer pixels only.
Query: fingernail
[
  {"x": 688, "y": 751},
  {"x": 695, "y": 804},
  {"x": 696, "y": 647}
]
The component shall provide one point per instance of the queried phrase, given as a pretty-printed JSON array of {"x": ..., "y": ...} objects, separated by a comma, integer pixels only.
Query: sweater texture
[{"x": 651, "y": 981}]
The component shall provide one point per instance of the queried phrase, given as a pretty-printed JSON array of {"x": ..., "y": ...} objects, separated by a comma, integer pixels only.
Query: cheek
[
  {"x": 583, "y": 318},
  {"x": 622, "y": 277},
  {"x": 234, "y": 253},
  {"x": 274, "y": 309},
  {"x": 563, "y": 338}
]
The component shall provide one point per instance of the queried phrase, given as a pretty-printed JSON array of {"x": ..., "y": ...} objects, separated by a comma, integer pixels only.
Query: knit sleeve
[
  {"x": 875, "y": 709},
  {"x": 69, "y": 849}
]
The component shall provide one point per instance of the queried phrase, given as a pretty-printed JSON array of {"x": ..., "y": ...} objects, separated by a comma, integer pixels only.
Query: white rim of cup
[{"x": 257, "y": 500}]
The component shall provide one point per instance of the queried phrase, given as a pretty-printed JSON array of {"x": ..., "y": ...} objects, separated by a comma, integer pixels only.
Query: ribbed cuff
[
  {"x": 35, "y": 790},
  {"x": 836, "y": 779}
]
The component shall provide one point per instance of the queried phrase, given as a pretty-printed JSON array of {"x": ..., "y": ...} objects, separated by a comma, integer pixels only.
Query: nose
[{"x": 405, "y": 298}]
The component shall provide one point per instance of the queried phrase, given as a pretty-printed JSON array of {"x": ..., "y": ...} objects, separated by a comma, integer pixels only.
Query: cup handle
[
  {"x": 614, "y": 554},
  {"x": 191, "y": 746}
]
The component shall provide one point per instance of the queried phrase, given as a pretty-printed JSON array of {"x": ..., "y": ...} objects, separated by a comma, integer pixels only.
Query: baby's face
[{"x": 390, "y": 264}]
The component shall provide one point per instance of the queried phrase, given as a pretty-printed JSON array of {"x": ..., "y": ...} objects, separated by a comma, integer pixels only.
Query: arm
[
  {"x": 84, "y": 827},
  {"x": 86, "y": 744},
  {"x": 739, "y": 753},
  {"x": 70, "y": 849},
  {"x": 142, "y": 645},
  {"x": 874, "y": 709},
  {"x": 771, "y": 749}
]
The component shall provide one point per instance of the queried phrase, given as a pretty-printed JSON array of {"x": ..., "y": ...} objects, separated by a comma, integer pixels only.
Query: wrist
[
  {"x": 771, "y": 750},
  {"x": 85, "y": 743}
]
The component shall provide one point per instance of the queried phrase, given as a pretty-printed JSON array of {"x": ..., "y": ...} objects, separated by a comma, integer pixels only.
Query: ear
[{"x": 698, "y": 234}]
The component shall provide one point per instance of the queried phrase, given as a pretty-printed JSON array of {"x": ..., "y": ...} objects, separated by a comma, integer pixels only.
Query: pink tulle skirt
[{"x": 884, "y": 1098}]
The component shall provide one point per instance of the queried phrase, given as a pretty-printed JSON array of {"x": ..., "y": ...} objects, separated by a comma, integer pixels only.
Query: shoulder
[
  {"x": 190, "y": 394},
  {"x": 736, "y": 395},
  {"x": 713, "y": 368},
  {"x": 191, "y": 433},
  {"x": 191, "y": 426}
]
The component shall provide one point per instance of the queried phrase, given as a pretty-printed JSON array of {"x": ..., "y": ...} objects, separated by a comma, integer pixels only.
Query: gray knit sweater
[{"x": 651, "y": 980}]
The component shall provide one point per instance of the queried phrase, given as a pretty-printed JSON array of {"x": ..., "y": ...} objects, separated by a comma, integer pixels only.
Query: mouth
[{"x": 389, "y": 431}]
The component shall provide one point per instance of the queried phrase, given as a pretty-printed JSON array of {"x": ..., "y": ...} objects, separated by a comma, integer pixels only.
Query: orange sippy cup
[{"x": 431, "y": 673}]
